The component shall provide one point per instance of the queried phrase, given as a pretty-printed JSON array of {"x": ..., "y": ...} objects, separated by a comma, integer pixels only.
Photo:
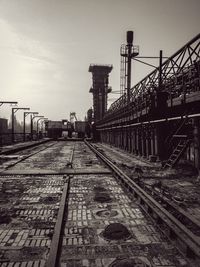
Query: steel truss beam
[{"x": 175, "y": 68}]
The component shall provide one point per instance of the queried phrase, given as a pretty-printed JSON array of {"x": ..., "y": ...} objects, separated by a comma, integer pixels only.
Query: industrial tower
[
  {"x": 100, "y": 89},
  {"x": 127, "y": 52}
]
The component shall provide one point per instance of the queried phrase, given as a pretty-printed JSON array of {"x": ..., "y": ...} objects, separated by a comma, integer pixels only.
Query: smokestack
[{"x": 129, "y": 37}]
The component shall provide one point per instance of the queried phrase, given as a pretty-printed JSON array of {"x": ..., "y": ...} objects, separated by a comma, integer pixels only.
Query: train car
[
  {"x": 80, "y": 127},
  {"x": 54, "y": 129}
]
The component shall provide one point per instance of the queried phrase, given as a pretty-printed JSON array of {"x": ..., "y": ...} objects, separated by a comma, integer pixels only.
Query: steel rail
[
  {"x": 26, "y": 157},
  {"x": 21, "y": 148},
  {"x": 72, "y": 154},
  {"x": 176, "y": 211},
  {"x": 177, "y": 231},
  {"x": 54, "y": 253},
  {"x": 53, "y": 258},
  {"x": 174, "y": 208}
]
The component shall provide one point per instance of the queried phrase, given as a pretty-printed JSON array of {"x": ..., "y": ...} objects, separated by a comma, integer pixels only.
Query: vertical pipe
[
  {"x": 129, "y": 56},
  {"x": 160, "y": 71}
]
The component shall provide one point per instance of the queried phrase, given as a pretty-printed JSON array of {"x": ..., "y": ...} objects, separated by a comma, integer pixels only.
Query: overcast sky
[{"x": 47, "y": 46}]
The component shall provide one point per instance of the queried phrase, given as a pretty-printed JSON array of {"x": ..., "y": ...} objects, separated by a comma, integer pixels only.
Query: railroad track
[
  {"x": 170, "y": 216},
  {"x": 54, "y": 253},
  {"x": 22, "y": 148},
  {"x": 85, "y": 206},
  {"x": 27, "y": 156},
  {"x": 176, "y": 210},
  {"x": 38, "y": 212}
]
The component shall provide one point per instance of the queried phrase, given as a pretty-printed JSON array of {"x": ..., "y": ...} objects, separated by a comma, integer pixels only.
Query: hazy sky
[{"x": 47, "y": 46}]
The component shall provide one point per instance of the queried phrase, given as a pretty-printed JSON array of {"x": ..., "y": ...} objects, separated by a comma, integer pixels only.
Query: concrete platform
[{"x": 49, "y": 172}]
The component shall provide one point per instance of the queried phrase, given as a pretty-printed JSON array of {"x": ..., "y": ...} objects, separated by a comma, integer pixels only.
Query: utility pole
[
  {"x": 25, "y": 115},
  {"x": 38, "y": 123},
  {"x": 32, "y": 118},
  {"x": 14, "y": 110},
  {"x": 6, "y": 102}
]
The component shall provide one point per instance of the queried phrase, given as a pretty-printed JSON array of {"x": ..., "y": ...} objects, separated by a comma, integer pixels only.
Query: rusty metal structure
[
  {"x": 127, "y": 52},
  {"x": 161, "y": 118},
  {"x": 100, "y": 89}
]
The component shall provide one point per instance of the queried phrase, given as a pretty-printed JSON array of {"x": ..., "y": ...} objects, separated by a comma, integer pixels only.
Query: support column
[
  {"x": 118, "y": 138},
  {"x": 196, "y": 133},
  {"x": 135, "y": 145},
  {"x": 153, "y": 142},
  {"x": 149, "y": 141},
  {"x": 156, "y": 141},
  {"x": 127, "y": 139},
  {"x": 143, "y": 142},
  {"x": 148, "y": 151},
  {"x": 161, "y": 134},
  {"x": 124, "y": 139},
  {"x": 137, "y": 141},
  {"x": 130, "y": 140}
]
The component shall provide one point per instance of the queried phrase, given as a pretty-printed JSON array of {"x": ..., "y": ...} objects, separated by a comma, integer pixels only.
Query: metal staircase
[
  {"x": 179, "y": 140},
  {"x": 177, "y": 153}
]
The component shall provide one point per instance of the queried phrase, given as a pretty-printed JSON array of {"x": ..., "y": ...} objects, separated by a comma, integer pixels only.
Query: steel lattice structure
[{"x": 180, "y": 74}]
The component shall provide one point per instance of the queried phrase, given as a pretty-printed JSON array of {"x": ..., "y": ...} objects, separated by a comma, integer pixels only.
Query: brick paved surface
[
  {"x": 28, "y": 212},
  {"x": 83, "y": 241},
  {"x": 29, "y": 207}
]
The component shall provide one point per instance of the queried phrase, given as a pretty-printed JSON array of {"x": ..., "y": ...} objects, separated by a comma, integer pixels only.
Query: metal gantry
[{"x": 8, "y": 102}]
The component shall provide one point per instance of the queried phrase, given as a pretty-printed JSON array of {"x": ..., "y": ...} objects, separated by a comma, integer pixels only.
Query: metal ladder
[
  {"x": 182, "y": 143},
  {"x": 123, "y": 69},
  {"x": 177, "y": 153}
]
